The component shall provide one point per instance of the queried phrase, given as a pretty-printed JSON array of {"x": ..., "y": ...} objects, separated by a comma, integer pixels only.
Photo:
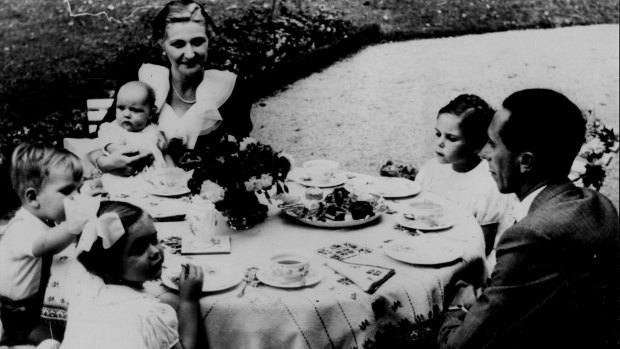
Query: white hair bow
[{"x": 108, "y": 226}]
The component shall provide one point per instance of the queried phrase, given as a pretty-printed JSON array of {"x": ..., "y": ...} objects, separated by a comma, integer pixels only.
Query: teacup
[
  {"x": 289, "y": 267},
  {"x": 424, "y": 210},
  {"x": 321, "y": 170}
]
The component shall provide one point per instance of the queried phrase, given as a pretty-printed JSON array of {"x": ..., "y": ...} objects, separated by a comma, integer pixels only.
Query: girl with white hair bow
[{"x": 108, "y": 307}]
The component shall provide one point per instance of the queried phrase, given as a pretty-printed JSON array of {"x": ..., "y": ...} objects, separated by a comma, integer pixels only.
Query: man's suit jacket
[{"x": 555, "y": 282}]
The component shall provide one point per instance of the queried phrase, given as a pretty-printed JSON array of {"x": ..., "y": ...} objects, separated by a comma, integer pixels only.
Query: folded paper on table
[
  {"x": 350, "y": 260},
  {"x": 367, "y": 277}
]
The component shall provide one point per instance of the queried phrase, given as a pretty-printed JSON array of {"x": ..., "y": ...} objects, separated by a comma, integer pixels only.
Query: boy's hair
[
  {"x": 475, "y": 115},
  {"x": 107, "y": 263},
  {"x": 32, "y": 163}
]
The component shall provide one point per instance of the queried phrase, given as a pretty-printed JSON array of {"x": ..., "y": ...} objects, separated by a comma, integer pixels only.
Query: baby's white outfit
[{"x": 147, "y": 139}]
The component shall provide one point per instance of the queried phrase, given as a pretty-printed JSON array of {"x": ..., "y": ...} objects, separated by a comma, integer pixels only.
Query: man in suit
[{"x": 555, "y": 282}]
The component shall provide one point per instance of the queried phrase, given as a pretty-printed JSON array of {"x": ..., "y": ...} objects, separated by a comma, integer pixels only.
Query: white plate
[
  {"x": 167, "y": 191},
  {"x": 393, "y": 188},
  {"x": 348, "y": 222},
  {"x": 423, "y": 250},
  {"x": 217, "y": 276},
  {"x": 164, "y": 210},
  {"x": 167, "y": 181},
  {"x": 426, "y": 225},
  {"x": 298, "y": 175},
  {"x": 314, "y": 276}
]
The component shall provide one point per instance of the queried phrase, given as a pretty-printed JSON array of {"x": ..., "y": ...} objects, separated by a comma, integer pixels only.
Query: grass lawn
[{"x": 52, "y": 61}]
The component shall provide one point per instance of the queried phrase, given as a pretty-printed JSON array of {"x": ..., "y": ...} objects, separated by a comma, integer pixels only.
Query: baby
[
  {"x": 134, "y": 124},
  {"x": 457, "y": 173},
  {"x": 42, "y": 177}
]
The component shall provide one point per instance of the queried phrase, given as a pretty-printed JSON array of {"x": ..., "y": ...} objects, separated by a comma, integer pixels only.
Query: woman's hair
[
  {"x": 107, "y": 263},
  {"x": 182, "y": 11},
  {"x": 32, "y": 163},
  {"x": 547, "y": 124},
  {"x": 475, "y": 115}
]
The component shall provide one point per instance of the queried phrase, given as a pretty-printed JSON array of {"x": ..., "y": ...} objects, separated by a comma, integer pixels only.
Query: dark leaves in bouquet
[
  {"x": 395, "y": 169},
  {"x": 230, "y": 167}
]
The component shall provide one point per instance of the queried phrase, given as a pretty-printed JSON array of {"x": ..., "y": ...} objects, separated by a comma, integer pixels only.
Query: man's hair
[
  {"x": 475, "y": 115},
  {"x": 182, "y": 11},
  {"x": 32, "y": 163},
  {"x": 547, "y": 124},
  {"x": 107, "y": 263}
]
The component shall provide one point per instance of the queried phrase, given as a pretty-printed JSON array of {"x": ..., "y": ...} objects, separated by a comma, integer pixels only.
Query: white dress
[
  {"x": 476, "y": 190},
  {"x": 104, "y": 316}
]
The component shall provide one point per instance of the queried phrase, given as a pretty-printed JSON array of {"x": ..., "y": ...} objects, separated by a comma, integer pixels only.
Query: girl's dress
[
  {"x": 476, "y": 190},
  {"x": 102, "y": 316},
  {"x": 147, "y": 138}
]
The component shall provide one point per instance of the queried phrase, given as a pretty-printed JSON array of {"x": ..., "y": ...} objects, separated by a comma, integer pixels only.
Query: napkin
[{"x": 365, "y": 276}]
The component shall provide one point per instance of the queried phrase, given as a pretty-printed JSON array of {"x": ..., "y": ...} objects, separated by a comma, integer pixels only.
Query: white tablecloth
[{"x": 334, "y": 313}]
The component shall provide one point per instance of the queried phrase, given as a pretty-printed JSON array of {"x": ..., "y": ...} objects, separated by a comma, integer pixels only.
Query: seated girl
[
  {"x": 120, "y": 250},
  {"x": 457, "y": 173},
  {"x": 134, "y": 126}
]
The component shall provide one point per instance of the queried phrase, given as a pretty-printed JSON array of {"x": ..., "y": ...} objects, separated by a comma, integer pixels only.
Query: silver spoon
[{"x": 250, "y": 274}]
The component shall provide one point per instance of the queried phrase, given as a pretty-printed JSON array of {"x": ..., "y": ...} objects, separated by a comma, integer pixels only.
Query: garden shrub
[
  {"x": 49, "y": 104},
  {"x": 53, "y": 62}
]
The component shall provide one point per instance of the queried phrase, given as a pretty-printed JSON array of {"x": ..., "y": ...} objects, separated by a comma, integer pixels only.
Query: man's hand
[{"x": 465, "y": 295}]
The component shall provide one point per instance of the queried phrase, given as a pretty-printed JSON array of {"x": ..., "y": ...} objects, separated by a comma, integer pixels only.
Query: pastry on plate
[
  {"x": 314, "y": 193},
  {"x": 361, "y": 209},
  {"x": 335, "y": 213}
]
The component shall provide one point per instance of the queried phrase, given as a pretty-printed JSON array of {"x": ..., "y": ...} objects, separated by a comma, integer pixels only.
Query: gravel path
[{"x": 381, "y": 103}]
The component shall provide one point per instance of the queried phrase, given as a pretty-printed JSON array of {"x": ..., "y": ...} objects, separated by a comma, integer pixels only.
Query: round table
[{"x": 333, "y": 313}]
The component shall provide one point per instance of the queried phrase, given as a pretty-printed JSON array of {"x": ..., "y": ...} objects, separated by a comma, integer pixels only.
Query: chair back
[{"x": 96, "y": 110}]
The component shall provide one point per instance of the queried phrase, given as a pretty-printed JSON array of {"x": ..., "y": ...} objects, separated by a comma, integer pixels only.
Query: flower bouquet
[
  {"x": 230, "y": 173},
  {"x": 596, "y": 152}
]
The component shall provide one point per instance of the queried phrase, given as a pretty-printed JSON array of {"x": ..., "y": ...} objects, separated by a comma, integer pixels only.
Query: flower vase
[{"x": 242, "y": 208}]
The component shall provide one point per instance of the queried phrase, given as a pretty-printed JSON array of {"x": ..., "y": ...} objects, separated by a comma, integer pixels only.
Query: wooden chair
[{"x": 96, "y": 110}]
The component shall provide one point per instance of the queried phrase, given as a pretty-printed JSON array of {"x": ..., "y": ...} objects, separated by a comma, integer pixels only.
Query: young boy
[{"x": 42, "y": 176}]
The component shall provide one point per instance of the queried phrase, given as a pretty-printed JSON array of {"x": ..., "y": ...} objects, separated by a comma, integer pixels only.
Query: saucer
[
  {"x": 426, "y": 224},
  {"x": 393, "y": 188},
  {"x": 314, "y": 276},
  {"x": 217, "y": 276},
  {"x": 424, "y": 250},
  {"x": 298, "y": 175}
]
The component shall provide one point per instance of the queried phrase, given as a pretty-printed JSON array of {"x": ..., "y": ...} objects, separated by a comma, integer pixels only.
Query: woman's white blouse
[{"x": 202, "y": 117}]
